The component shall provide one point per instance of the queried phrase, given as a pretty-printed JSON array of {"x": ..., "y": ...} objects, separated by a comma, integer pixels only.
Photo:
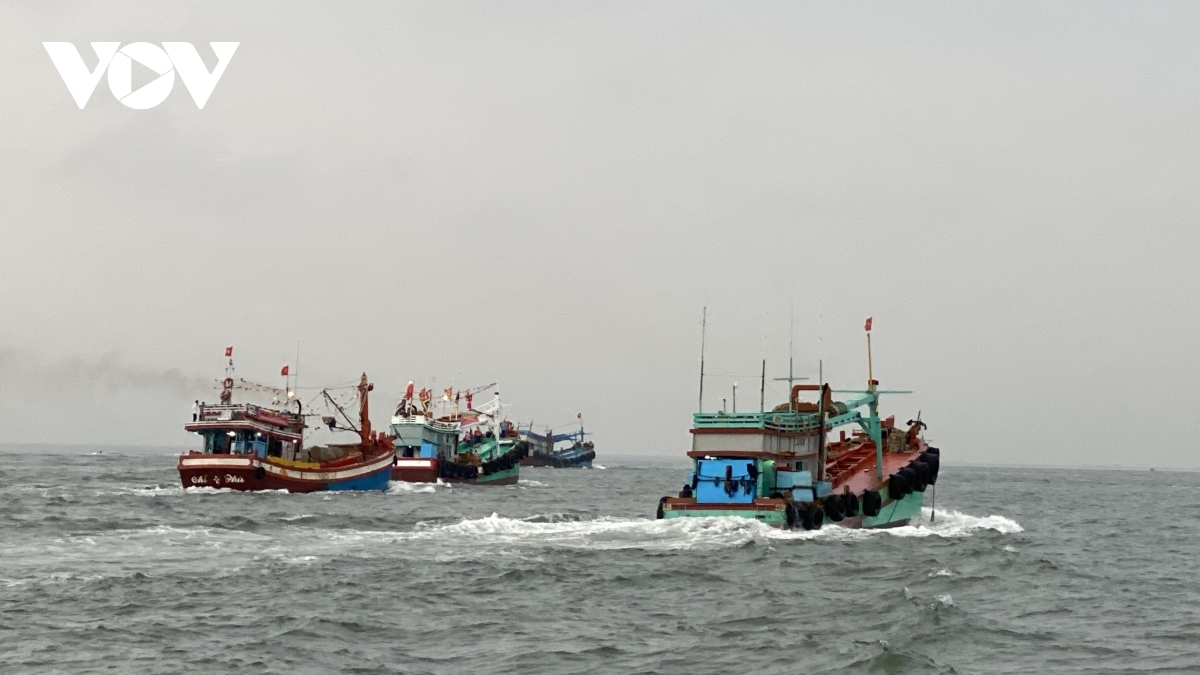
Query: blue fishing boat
[{"x": 544, "y": 448}]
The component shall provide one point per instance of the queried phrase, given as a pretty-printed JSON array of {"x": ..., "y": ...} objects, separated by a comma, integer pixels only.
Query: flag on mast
[
  {"x": 229, "y": 351},
  {"x": 284, "y": 371},
  {"x": 867, "y": 327}
]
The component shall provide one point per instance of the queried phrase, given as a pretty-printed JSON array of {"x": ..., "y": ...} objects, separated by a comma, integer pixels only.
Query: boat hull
[
  {"x": 415, "y": 470},
  {"x": 426, "y": 471},
  {"x": 246, "y": 473},
  {"x": 894, "y": 513}
]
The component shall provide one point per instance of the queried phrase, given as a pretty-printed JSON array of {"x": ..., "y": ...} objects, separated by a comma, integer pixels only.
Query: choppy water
[{"x": 106, "y": 564}]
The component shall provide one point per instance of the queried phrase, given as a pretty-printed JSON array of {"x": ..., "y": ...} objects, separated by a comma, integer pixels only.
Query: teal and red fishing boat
[
  {"x": 442, "y": 442},
  {"x": 780, "y": 467}
]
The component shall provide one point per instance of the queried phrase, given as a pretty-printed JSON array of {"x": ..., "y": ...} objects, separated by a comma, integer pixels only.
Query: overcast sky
[{"x": 547, "y": 195}]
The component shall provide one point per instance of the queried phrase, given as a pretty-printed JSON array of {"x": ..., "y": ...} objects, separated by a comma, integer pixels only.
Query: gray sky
[{"x": 547, "y": 194}]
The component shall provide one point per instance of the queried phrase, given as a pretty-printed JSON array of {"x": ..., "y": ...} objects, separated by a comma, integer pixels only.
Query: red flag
[
  {"x": 229, "y": 351},
  {"x": 867, "y": 327},
  {"x": 284, "y": 371},
  {"x": 579, "y": 415}
]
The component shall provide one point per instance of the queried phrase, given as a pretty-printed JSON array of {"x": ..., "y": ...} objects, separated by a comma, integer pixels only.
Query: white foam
[
  {"x": 941, "y": 573},
  {"x": 206, "y": 490},
  {"x": 610, "y": 533},
  {"x": 946, "y": 600},
  {"x": 399, "y": 487},
  {"x": 530, "y": 483}
]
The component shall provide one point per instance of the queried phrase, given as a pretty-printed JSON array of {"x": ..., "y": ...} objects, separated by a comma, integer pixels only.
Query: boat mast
[
  {"x": 296, "y": 375},
  {"x": 791, "y": 355},
  {"x": 703, "y": 330},
  {"x": 364, "y": 412},
  {"x": 873, "y": 421},
  {"x": 762, "y": 389}
]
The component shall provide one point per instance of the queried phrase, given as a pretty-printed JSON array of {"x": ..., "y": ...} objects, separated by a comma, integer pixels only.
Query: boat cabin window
[
  {"x": 217, "y": 442},
  {"x": 241, "y": 442}
]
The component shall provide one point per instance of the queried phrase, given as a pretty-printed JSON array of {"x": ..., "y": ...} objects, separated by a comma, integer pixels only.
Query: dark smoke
[{"x": 109, "y": 370}]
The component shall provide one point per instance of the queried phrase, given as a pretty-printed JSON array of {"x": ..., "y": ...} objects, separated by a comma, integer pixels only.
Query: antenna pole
[
  {"x": 762, "y": 389},
  {"x": 870, "y": 371},
  {"x": 703, "y": 330},
  {"x": 791, "y": 354}
]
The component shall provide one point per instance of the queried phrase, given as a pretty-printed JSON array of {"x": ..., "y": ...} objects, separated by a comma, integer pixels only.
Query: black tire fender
[
  {"x": 850, "y": 504},
  {"x": 833, "y": 508}
]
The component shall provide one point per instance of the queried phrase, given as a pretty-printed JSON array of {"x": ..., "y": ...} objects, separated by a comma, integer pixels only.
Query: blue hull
[{"x": 375, "y": 481}]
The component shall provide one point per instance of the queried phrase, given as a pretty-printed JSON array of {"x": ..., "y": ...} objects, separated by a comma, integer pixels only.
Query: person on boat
[
  {"x": 196, "y": 410},
  {"x": 686, "y": 492}
]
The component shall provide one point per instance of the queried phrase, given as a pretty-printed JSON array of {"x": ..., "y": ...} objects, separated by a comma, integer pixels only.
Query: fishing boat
[
  {"x": 471, "y": 446},
  {"x": 779, "y": 466},
  {"x": 254, "y": 447},
  {"x": 545, "y": 451}
]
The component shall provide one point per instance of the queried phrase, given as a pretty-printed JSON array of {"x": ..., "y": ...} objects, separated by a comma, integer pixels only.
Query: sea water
[{"x": 108, "y": 565}]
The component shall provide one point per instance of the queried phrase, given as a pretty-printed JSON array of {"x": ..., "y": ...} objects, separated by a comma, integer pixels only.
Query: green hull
[
  {"x": 898, "y": 512},
  {"x": 504, "y": 477}
]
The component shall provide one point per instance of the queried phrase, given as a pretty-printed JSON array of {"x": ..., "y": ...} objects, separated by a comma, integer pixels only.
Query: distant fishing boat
[
  {"x": 544, "y": 450},
  {"x": 252, "y": 447},
  {"x": 473, "y": 446},
  {"x": 778, "y": 467}
]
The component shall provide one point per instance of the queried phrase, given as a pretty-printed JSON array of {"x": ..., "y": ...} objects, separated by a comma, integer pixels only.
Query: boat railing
[
  {"x": 785, "y": 421},
  {"x": 224, "y": 412},
  {"x": 439, "y": 425}
]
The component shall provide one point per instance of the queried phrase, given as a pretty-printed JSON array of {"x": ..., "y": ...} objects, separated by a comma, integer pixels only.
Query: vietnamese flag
[
  {"x": 867, "y": 327},
  {"x": 229, "y": 351},
  {"x": 284, "y": 371}
]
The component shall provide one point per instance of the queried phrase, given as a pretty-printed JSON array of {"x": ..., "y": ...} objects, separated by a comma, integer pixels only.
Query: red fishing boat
[{"x": 252, "y": 447}]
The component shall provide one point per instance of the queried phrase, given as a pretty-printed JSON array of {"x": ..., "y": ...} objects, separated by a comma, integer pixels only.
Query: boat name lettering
[{"x": 230, "y": 478}]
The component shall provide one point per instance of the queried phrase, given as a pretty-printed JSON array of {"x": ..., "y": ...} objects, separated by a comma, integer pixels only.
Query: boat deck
[{"x": 861, "y": 475}]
